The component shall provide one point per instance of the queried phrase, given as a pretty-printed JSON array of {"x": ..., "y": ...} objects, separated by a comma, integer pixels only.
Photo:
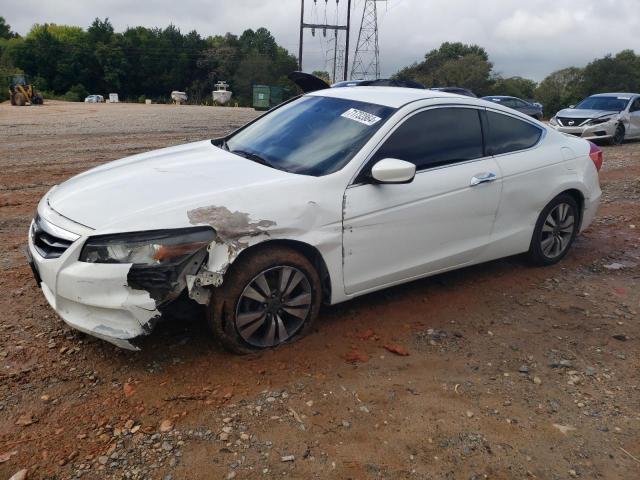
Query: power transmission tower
[
  {"x": 335, "y": 62},
  {"x": 340, "y": 64},
  {"x": 324, "y": 27},
  {"x": 366, "y": 61}
]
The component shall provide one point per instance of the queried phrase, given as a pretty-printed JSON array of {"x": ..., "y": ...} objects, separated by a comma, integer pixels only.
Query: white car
[
  {"x": 329, "y": 196},
  {"x": 94, "y": 99}
]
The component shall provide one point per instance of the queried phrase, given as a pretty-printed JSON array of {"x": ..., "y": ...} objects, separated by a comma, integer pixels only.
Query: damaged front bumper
[
  {"x": 589, "y": 132},
  {"x": 90, "y": 297}
]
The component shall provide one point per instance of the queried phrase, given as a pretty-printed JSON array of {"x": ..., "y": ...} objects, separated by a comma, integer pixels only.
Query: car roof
[
  {"x": 394, "y": 97},
  {"x": 499, "y": 96},
  {"x": 616, "y": 94}
]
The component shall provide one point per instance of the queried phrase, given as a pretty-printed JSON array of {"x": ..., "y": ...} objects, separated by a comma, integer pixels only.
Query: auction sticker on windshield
[{"x": 360, "y": 116}]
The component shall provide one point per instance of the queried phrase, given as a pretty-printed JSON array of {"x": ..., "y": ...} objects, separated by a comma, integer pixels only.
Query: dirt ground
[{"x": 512, "y": 372}]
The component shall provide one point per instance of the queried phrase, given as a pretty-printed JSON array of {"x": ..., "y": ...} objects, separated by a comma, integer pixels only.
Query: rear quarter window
[{"x": 508, "y": 134}]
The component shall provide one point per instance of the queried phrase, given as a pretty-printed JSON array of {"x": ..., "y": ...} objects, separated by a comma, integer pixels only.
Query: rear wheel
[
  {"x": 270, "y": 297},
  {"x": 13, "y": 98},
  {"x": 618, "y": 136},
  {"x": 555, "y": 231}
]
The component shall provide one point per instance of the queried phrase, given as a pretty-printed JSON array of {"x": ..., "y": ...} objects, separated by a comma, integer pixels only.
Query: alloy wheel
[
  {"x": 618, "y": 136},
  {"x": 273, "y": 306},
  {"x": 557, "y": 230}
]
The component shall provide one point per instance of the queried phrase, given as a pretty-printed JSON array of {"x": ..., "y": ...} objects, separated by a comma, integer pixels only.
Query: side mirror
[{"x": 392, "y": 170}]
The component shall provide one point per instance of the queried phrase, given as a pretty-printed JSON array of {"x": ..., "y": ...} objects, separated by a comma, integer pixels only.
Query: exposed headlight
[
  {"x": 598, "y": 121},
  {"x": 553, "y": 121},
  {"x": 157, "y": 247}
]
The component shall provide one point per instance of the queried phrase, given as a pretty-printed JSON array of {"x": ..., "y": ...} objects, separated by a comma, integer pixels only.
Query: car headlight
[
  {"x": 553, "y": 121},
  {"x": 599, "y": 121},
  {"x": 157, "y": 247}
]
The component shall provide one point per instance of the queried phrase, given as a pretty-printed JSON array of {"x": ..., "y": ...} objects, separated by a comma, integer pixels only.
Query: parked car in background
[
  {"x": 528, "y": 108},
  {"x": 379, "y": 82},
  {"x": 94, "y": 99},
  {"x": 310, "y": 83},
  {"x": 326, "y": 197},
  {"x": 612, "y": 117},
  {"x": 457, "y": 90}
]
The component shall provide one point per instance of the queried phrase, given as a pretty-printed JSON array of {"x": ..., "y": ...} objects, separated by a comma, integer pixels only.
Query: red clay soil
[{"x": 498, "y": 371}]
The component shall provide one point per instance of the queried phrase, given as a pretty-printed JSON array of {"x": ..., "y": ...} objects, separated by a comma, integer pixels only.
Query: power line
[{"x": 324, "y": 27}]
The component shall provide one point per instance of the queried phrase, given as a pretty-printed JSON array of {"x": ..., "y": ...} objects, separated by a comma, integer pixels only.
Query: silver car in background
[{"x": 612, "y": 117}]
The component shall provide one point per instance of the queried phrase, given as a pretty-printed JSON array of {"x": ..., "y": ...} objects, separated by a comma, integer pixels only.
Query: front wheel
[
  {"x": 19, "y": 100},
  {"x": 555, "y": 231},
  {"x": 618, "y": 136},
  {"x": 269, "y": 297}
]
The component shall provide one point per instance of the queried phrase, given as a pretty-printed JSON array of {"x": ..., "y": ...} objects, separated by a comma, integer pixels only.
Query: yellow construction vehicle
[{"x": 22, "y": 92}]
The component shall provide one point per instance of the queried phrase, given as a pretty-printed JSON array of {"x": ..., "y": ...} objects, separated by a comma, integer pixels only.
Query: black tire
[
  {"x": 229, "y": 303},
  {"x": 550, "y": 243},
  {"x": 37, "y": 99},
  {"x": 19, "y": 99},
  {"x": 13, "y": 99},
  {"x": 618, "y": 136}
]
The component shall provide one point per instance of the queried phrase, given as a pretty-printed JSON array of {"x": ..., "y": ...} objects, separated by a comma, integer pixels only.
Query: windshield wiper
[{"x": 253, "y": 157}]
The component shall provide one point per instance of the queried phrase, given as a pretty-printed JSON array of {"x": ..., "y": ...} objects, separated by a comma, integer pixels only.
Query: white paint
[
  {"x": 389, "y": 233},
  {"x": 392, "y": 170}
]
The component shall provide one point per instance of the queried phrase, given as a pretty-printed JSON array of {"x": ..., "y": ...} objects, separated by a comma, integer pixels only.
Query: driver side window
[
  {"x": 436, "y": 137},
  {"x": 635, "y": 106}
]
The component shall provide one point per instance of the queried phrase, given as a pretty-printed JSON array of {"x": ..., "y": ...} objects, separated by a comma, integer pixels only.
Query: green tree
[
  {"x": 560, "y": 89},
  {"x": 619, "y": 73},
  {"x": 5, "y": 30},
  {"x": 452, "y": 64},
  {"x": 324, "y": 75},
  {"x": 142, "y": 61},
  {"x": 514, "y": 87},
  {"x": 76, "y": 93}
]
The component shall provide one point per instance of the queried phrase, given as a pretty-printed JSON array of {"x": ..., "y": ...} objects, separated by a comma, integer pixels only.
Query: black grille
[
  {"x": 48, "y": 245},
  {"x": 576, "y": 121}
]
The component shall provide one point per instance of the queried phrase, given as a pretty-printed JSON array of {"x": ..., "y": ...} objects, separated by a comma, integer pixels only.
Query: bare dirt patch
[{"x": 511, "y": 372}]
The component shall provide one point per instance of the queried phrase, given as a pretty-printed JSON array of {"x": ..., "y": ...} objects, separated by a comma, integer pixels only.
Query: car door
[
  {"x": 523, "y": 107},
  {"x": 442, "y": 219},
  {"x": 634, "y": 119}
]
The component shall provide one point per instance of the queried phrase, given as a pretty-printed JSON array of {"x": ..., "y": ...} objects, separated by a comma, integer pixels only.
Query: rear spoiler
[{"x": 307, "y": 82}]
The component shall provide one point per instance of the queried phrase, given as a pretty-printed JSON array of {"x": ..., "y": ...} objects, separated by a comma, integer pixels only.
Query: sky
[{"x": 529, "y": 38}]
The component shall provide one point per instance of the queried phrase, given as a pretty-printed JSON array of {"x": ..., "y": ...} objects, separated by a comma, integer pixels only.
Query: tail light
[{"x": 596, "y": 155}]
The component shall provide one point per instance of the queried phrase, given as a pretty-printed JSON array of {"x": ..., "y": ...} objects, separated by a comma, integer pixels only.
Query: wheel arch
[
  {"x": 310, "y": 252},
  {"x": 578, "y": 196}
]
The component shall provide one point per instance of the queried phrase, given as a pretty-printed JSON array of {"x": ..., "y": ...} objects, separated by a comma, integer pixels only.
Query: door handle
[{"x": 482, "y": 178}]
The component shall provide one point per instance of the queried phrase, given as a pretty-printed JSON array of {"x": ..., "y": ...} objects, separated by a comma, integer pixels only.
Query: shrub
[{"x": 77, "y": 93}]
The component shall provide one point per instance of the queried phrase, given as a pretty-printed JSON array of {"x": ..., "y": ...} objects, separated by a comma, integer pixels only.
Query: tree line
[
  {"x": 469, "y": 66},
  {"x": 139, "y": 63}
]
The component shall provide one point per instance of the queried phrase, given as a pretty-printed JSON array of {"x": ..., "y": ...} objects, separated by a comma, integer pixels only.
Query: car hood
[
  {"x": 580, "y": 113},
  {"x": 159, "y": 189}
]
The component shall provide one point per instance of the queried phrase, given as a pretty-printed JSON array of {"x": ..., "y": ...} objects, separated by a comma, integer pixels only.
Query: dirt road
[{"x": 512, "y": 371}]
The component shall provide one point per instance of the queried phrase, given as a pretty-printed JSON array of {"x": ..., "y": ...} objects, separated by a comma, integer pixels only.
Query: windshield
[
  {"x": 611, "y": 104},
  {"x": 312, "y": 135}
]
